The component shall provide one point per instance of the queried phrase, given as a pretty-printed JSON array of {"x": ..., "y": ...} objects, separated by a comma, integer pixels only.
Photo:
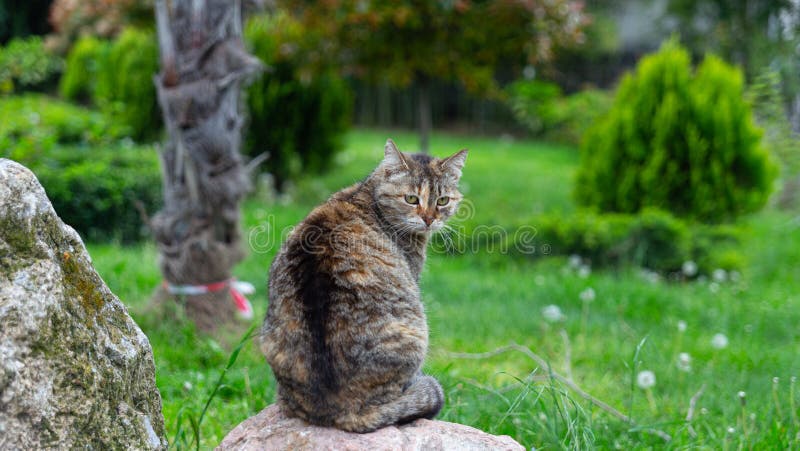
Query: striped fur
[{"x": 345, "y": 332}]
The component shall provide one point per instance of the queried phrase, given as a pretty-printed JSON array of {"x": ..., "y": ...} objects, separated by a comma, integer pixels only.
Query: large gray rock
[
  {"x": 75, "y": 370},
  {"x": 273, "y": 430}
]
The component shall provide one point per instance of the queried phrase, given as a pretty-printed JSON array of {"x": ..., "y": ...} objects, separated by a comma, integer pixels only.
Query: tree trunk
[
  {"x": 424, "y": 111},
  {"x": 203, "y": 65}
]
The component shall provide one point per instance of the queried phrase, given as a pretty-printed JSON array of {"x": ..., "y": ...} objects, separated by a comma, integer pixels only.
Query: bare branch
[
  {"x": 166, "y": 45},
  {"x": 255, "y": 162}
]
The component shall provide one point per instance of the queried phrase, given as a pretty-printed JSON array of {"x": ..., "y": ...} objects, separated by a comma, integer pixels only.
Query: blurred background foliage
[
  {"x": 300, "y": 108},
  {"x": 548, "y": 70}
]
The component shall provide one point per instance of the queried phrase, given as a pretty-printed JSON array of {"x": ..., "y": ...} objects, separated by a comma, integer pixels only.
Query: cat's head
[{"x": 417, "y": 193}]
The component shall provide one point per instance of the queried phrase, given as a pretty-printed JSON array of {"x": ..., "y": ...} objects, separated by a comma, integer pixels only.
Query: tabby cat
[{"x": 345, "y": 332}]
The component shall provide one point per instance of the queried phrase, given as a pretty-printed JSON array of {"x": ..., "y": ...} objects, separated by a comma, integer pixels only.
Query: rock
[
  {"x": 271, "y": 429},
  {"x": 75, "y": 370}
]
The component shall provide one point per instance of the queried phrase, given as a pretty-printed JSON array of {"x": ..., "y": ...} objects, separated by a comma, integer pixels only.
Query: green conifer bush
[{"x": 679, "y": 140}]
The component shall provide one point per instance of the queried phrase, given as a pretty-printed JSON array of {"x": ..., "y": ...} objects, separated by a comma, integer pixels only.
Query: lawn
[{"x": 480, "y": 301}]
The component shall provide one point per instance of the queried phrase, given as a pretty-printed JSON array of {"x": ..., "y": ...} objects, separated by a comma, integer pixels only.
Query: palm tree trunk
[{"x": 203, "y": 65}]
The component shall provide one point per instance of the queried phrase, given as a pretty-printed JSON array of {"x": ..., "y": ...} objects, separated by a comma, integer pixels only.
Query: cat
[{"x": 345, "y": 332}]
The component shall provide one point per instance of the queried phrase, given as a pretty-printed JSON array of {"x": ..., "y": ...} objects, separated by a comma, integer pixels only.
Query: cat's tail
[{"x": 424, "y": 398}]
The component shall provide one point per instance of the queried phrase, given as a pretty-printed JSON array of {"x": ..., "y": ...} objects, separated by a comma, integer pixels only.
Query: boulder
[
  {"x": 75, "y": 370},
  {"x": 273, "y": 430}
]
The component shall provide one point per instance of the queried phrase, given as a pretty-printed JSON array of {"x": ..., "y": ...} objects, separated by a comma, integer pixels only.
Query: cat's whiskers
[{"x": 446, "y": 232}]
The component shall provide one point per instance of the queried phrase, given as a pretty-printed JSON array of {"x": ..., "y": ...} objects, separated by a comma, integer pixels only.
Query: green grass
[{"x": 478, "y": 302}]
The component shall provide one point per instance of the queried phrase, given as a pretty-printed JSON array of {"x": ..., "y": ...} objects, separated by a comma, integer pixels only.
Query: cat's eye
[
  {"x": 412, "y": 199},
  {"x": 442, "y": 201}
]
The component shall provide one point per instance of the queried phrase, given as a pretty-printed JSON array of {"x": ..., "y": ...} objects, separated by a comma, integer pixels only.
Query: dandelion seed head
[
  {"x": 731, "y": 430},
  {"x": 539, "y": 280},
  {"x": 689, "y": 268},
  {"x": 187, "y": 386},
  {"x": 776, "y": 380},
  {"x": 682, "y": 326},
  {"x": 719, "y": 275},
  {"x": 735, "y": 276},
  {"x": 713, "y": 287},
  {"x": 741, "y": 395},
  {"x": 584, "y": 271},
  {"x": 793, "y": 379},
  {"x": 703, "y": 411},
  {"x": 588, "y": 295},
  {"x": 652, "y": 276},
  {"x": 719, "y": 341},
  {"x": 684, "y": 362},
  {"x": 646, "y": 379},
  {"x": 552, "y": 314},
  {"x": 575, "y": 261}
]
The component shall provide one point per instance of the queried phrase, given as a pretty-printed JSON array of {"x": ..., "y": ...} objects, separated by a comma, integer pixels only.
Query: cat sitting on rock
[{"x": 345, "y": 331}]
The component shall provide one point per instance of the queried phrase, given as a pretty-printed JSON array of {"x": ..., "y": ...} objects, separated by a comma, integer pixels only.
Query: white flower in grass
[
  {"x": 584, "y": 271},
  {"x": 575, "y": 261},
  {"x": 552, "y": 314},
  {"x": 719, "y": 275},
  {"x": 682, "y": 326},
  {"x": 650, "y": 276},
  {"x": 588, "y": 295},
  {"x": 719, "y": 341},
  {"x": 689, "y": 268},
  {"x": 646, "y": 379},
  {"x": 685, "y": 362}
]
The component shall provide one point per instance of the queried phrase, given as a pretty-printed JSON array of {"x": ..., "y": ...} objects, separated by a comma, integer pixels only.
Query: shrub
[
  {"x": 82, "y": 65},
  {"x": 299, "y": 110},
  {"x": 96, "y": 190},
  {"x": 26, "y": 64},
  {"x": 92, "y": 177},
  {"x": 677, "y": 141},
  {"x": 652, "y": 239},
  {"x": 117, "y": 77},
  {"x": 546, "y": 113},
  {"x": 34, "y": 124},
  {"x": 125, "y": 87}
]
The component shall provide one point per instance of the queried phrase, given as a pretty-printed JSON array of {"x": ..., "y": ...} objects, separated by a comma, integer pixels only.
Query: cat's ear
[
  {"x": 454, "y": 163},
  {"x": 393, "y": 157}
]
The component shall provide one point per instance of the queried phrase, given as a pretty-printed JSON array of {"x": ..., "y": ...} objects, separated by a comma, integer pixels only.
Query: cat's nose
[{"x": 428, "y": 220}]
